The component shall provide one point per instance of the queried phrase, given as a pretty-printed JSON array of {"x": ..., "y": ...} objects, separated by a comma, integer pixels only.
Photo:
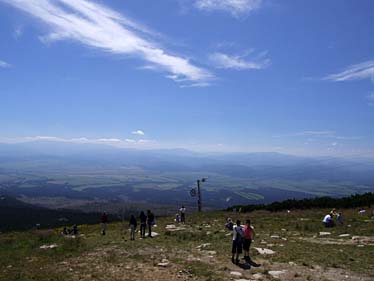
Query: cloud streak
[
  {"x": 234, "y": 7},
  {"x": 138, "y": 132},
  {"x": 320, "y": 134},
  {"x": 4, "y": 64},
  {"x": 361, "y": 71},
  {"x": 97, "y": 26},
  {"x": 225, "y": 61},
  {"x": 82, "y": 140}
]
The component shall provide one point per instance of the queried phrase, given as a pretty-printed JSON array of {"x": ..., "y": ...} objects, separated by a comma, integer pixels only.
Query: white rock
[
  {"x": 275, "y": 236},
  {"x": 344, "y": 235},
  {"x": 291, "y": 263},
  {"x": 154, "y": 234},
  {"x": 324, "y": 233},
  {"x": 257, "y": 276},
  {"x": 236, "y": 273},
  {"x": 276, "y": 273},
  {"x": 48, "y": 246},
  {"x": 203, "y": 245},
  {"x": 264, "y": 251}
]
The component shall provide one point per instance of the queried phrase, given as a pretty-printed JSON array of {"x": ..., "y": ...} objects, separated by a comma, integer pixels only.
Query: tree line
[{"x": 353, "y": 201}]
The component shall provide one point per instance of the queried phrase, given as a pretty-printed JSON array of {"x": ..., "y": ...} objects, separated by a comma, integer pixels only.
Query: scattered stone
[
  {"x": 236, "y": 273},
  {"x": 324, "y": 233},
  {"x": 202, "y": 246},
  {"x": 257, "y": 276},
  {"x": 264, "y": 251},
  {"x": 275, "y": 237},
  {"x": 163, "y": 263},
  {"x": 360, "y": 246},
  {"x": 276, "y": 273},
  {"x": 292, "y": 263},
  {"x": 344, "y": 235},
  {"x": 211, "y": 253},
  {"x": 154, "y": 234},
  {"x": 52, "y": 246}
]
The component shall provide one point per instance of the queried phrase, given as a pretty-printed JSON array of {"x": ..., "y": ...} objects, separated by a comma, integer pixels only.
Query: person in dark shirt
[
  {"x": 133, "y": 223},
  {"x": 143, "y": 224},
  {"x": 104, "y": 221},
  {"x": 150, "y": 222}
]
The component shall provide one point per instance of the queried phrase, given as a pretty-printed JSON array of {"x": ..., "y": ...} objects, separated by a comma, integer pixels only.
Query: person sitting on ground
[
  {"x": 143, "y": 224},
  {"x": 328, "y": 220},
  {"x": 133, "y": 224},
  {"x": 177, "y": 218},
  {"x": 237, "y": 242},
  {"x": 183, "y": 214},
  {"x": 248, "y": 237},
  {"x": 65, "y": 231},
  {"x": 104, "y": 221},
  {"x": 229, "y": 224},
  {"x": 150, "y": 222}
]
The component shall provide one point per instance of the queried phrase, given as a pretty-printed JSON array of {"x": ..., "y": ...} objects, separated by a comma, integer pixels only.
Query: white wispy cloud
[
  {"x": 221, "y": 60},
  {"x": 98, "y": 26},
  {"x": 4, "y": 64},
  {"x": 234, "y": 7},
  {"x": 364, "y": 70},
  {"x": 82, "y": 140},
  {"x": 319, "y": 134},
  {"x": 138, "y": 132}
]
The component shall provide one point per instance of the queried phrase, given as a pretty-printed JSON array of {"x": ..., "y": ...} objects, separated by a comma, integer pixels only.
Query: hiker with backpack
[
  {"x": 249, "y": 234},
  {"x": 143, "y": 224},
  {"x": 237, "y": 242},
  {"x": 150, "y": 222},
  {"x": 133, "y": 223}
]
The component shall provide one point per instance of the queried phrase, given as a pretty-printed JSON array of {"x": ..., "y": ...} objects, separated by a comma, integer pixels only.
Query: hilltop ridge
[{"x": 199, "y": 250}]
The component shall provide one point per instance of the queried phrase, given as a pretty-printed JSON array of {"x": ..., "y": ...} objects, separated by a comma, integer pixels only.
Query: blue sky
[{"x": 209, "y": 75}]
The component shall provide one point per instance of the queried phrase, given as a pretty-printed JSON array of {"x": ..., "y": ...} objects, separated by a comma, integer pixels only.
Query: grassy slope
[{"x": 93, "y": 257}]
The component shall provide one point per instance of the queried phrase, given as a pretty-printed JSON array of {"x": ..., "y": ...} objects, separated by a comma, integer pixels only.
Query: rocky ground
[{"x": 289, "y": 248}]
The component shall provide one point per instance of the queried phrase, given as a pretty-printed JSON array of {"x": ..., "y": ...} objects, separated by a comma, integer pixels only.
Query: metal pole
[{"x": 199, "y": 196}]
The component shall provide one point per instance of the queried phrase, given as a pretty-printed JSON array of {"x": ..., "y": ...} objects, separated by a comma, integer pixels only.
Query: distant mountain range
[{"x": 98, "y": 172}]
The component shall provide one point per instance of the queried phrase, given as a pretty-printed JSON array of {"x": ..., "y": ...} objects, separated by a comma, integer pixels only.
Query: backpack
[{"x": 239, "y": 234}]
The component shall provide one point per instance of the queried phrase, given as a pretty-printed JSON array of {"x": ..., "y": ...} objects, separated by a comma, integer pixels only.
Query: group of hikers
[
  {"x": 328, "y": 220},
  {"x": 146, "y": 221},
  {"x": 241, "y": 240}
]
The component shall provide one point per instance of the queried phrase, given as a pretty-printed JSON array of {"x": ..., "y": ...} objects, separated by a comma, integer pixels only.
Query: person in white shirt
[
  {"x": 328, "y": 221},
  {"x": 183, "y": 214},
  {"x": 237, "y": 242}
]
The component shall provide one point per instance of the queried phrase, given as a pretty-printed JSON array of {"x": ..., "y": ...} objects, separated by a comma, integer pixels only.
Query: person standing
[
  {"x": 183, "y": 214},
  {"x": 133, "y": 224},
  {"x": 104, "y": 221},
  {"x": 237, "y": 242},
  {"x": 150, "y": 222},
  {"x": 143, "y": 223},
  {"x": 248, "y": 237}
]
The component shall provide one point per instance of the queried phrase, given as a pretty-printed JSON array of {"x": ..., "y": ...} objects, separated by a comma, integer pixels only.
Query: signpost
[{"x": 193, "y": 193}]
